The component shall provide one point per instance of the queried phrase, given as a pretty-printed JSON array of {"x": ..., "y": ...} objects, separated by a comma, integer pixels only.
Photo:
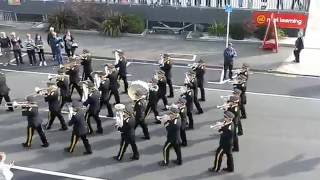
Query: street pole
[{"x": 228, "y": 29}]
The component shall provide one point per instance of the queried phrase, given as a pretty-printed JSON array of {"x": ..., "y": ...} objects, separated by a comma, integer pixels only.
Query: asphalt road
[{"x": 280, "y": 138}]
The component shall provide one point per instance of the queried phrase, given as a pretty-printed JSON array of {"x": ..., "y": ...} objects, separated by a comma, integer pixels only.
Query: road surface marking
[{"x": 209, "y": 89}]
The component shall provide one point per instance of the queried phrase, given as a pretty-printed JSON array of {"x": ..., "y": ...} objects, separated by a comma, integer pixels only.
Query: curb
[{"x": 208, "y": 65}]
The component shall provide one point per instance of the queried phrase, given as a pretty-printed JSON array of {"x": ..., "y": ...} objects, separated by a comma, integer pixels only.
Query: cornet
[
  {"x": 225, "y": 106},
  {"x": 41, "y": 90},
  {"x": 225, "y": 98},
  {"x": 217, "y": 125}
]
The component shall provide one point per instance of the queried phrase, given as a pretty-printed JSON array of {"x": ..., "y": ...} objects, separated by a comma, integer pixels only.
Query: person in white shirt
[{"x": 5, "y": 173}]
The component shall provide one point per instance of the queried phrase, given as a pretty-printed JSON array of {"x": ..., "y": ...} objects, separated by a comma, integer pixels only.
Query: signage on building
[
  {"x": 283, "y": 20},
  {"x": 14, "y": 2}
]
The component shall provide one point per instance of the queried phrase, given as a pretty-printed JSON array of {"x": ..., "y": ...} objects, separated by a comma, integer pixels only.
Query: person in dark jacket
[
  {"x": 200, "y": 70},
  {"x": 93, "y": 102},
  {"x": 63, "y": 84},
  {"x": 240, "y": 86},
  {"x": 50, "y": 40},
  {"x": 86, "y": 62},
  {"x": 74, "y": 78},
  {"x": 4, "y": 91},
  {"x": 162, "y": 84},
  {"x": 79, "y": 130},
  {"x": 166, "y": 66},
  {"x": 234, "y": 108},
  {"x": 153, "y": 100},
  {"x": 299, "y": 45},
  {"x": 229, "y": 54},
  {"x": 40, "y": 50},
  {"x": 181, "y": 104},
  {"x": 57, "y": 43},
  {"x": 5, "y": 47},
  {"x": 104, "y": 88},
  {"x": 68, "y": 42},
  {"x": 122, "y": 65},
  {"x": 112, "y": 75},
  {"x": 191, "y": 82},
  {"x": 225, "y": 144},
  {"x": 188, "y": 96},
  {"x": 127, "y": 136},
  {"x": 16, "y": 45},
  {"x": 139, "y": 110},
  {"x": 34, "y": 122},
  {"x": 173, "y": 138},
  {"x": 52, "y": 97}
]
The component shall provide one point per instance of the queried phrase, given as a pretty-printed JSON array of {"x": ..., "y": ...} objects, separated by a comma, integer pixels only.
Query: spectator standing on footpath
[
  {"x": 5, "y": 46},
  {"x": 264, "y": 4},
  {"x": 16, "y": 47},
  {"x": 298, "y": 47},
  {"x": 280, "y": 4},
  {"x": 50, "y": 41},
  {"x": 229, "y": 54},
  {"x": 69, "y": 44},
  {"x": 30, "y": 46},
  {"x": 40, "y": 50},
  {"x": 57, "y": 43}
]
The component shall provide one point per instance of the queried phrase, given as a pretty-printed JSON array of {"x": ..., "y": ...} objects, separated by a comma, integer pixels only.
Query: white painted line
[
  {"x": 209, "y": 89},
  {"x": 53, "y": 173}
]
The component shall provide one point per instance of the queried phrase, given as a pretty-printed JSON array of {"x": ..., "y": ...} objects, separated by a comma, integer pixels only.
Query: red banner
[{"x": 283, "y": 20}]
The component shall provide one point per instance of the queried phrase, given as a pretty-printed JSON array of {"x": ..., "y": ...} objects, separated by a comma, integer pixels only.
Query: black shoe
[
  {"x": 184, "y": 144},
  {"x": 116, "y": 158},
  {"x": 64, "y": 128},
  {"x": 157, "y": 122},
  {"x": 87, "y": 153},
  {"x": 124, "y": 92},
  {"x": 240, "y": 133},
  {"x": 45, "y": 145},
  {"x": 202, "y": 99},
  {"x": 189, "y": 128},
  {"x": 48, "y": 127},
  {"x": 134, "y": 158},
  {"x": 100, "y": 131},
  {"x": 161, "y": 163},
  {"x": 25, "y": 145},
  {"x": 212, "y": 169},
  {"x": 235, "y": 150},
  {"x": 243, "y": 117},
  {"x": 9, "y": 110},
  {"x": 200, "y": 112},
  {"x": 165, "y": 109},
  {"x": 227, "y": 170},
  {"x": 177, "y": 162},
  {"x": 66, "y": 150},
  {"x": 170, "y": 96},
  {"x": 146, "y": 138}
]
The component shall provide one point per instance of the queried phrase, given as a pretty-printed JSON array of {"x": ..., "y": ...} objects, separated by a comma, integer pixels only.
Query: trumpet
[
  {"x": 56, "y": 76},
  {"x": 217, "y": 125},
  {"x": 225, "y": 106},
  {"x": 225, "y": 98},
  {"x": 164, "y": 118},
  {"x": 16, "y": 104},
  {"x": 41, "y": 90}
]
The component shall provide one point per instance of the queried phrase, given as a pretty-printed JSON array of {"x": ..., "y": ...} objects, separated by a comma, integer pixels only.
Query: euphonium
[{"x": 119, "y": 108}]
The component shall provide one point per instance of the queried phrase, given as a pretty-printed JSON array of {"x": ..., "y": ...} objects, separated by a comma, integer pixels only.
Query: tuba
[
  {"x": 138, "y": 90},
  {"x": 119, "y": 108},
  {"x": 85, "y": 89},
  {"x": 97, "y": 78}
]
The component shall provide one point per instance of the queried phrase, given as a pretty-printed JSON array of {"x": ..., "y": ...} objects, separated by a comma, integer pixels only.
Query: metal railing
[{"x": 7, "y": 16}]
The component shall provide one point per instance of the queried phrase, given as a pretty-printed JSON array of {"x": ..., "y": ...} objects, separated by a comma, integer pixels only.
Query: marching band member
[
  {"x": 153, "y": 100},
  {"x": 122, "y": 65},
  {"x": 225, "y": 144},
  {"x": 5, "y": 172},
  {"x": 139, "y": 109},
  {"x": 188, "y": 96},
  {"x": 238, "y": 92},
  {"x": 162, "y": 84},
  {"x": 30, "y": 109},
  {"x": 181, "y": 103},
  {"x": 52, "y": 97},
  {"x": 166, "y": 66},
  {"x": 86, "y": 62},
  {"x": 173, "y": 138},
  {"x": 74, "y": 78},
  {"x": 240, "y": 84},
  {"x": 127, "y": 130},
  {"x": 200, "y": 70},
  {"x": 104, "y": 88},
  {"x": 191, "y": 82},
  {"x": 233, "y": 107},
  {"x": 63, "y": 84},
  {"x": 4, "y": 92},
  {"x": 94, "y": 108},
  {"x": 112, "y": 74},
  {"x": 79, "y": 129}
]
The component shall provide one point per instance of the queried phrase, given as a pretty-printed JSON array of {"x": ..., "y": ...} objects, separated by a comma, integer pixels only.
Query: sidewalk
[{"x": 150, "y": 47}]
